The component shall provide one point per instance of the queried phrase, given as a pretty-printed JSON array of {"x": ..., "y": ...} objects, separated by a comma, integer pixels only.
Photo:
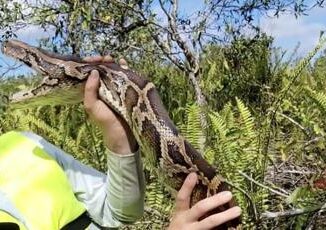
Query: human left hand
[
  {"x": 186, "y": 218},
  {"x": 117, "y": 134}
]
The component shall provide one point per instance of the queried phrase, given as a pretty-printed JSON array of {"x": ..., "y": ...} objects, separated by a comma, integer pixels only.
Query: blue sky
[{"x": 287, "y": 30}]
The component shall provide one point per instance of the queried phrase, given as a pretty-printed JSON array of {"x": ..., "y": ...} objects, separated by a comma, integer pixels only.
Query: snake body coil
[{"x": 135, "y": 99}]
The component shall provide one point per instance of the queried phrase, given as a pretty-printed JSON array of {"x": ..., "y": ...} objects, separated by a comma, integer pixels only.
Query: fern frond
[
  {"x": 228, "y": 115},
  {"x": 226, "y": 153},
  {"x": 156, "y": 196},
  {"x": 296, "y": 72},
  {"x": 192, "y": 129},
  {"x": 299, "y": 68},
  {"x": 210, "y": 155},
  {"x": 218, "y": 125},
  {"x": 318, "y": 97},
  {"x": 249, "y": 140},
  {"x": 246, "y": 118}
]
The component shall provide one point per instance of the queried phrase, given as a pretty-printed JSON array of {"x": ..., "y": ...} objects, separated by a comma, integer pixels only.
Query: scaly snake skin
[{"x": 135, "y": 99}]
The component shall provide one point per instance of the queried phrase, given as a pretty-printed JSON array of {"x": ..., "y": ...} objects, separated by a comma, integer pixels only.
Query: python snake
[{"x": 135, "y": 99}]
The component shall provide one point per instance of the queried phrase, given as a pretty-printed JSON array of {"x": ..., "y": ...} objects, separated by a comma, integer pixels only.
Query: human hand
[
  {"x": 117, "y": 134},
  {"x": 186, "y": 218}
]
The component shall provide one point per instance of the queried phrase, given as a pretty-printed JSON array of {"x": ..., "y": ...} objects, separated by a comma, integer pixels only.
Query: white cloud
[
  {"x": 287, "y": 26},
  {"x": 288, "y": 30}
]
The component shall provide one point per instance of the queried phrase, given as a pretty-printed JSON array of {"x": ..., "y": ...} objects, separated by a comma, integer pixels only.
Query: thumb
[
  {"x": 91, "y": 90},
  {"x": 184, "y": 194}
]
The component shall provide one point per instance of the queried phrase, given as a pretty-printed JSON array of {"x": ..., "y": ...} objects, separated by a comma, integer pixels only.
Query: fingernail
[
  {"x": 94, "y": 74},
  {"x": 108, "y": 58},
  {"x": 192, "y": 176},
  {"x": 237, "y": 210},
  {"x": 226, "y": 194}
]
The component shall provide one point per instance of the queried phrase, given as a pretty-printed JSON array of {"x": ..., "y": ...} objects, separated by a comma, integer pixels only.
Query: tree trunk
[
  {"x": 201, "y": 101},
  {"x": 200, "y": 98}
]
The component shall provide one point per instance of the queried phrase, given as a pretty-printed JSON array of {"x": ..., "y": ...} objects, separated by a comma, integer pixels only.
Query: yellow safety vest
[{"x": 36, "y": 185}]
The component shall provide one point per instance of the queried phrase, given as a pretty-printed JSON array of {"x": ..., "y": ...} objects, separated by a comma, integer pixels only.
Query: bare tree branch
[
  {"x": 7, "y": 67},
  {"x": 175, "y": 35},
  {"x": 166, "y": 50}
]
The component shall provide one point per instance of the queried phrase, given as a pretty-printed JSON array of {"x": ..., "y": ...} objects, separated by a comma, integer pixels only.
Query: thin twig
[
  {"x": 263, "y": 186},
  {"x": 313, "y": 141},
  {"x": 280, "y": 189},
  {"x": 315, "y": 216},
  {"x": 298, "y": 172},
  {"x": 304, "y": 130}
]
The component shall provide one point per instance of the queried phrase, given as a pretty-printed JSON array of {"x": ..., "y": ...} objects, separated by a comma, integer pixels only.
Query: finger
[
  {"x": 184, "y": 194},
  {"x": 218, "y": 219},
  {"x": 123, "y": 63},
  {"x": 108, "y": 58},
  {"x": 93, "y": 59},
  {"x": 91, "y": 90},
  {"x": 204, "y": 206}
]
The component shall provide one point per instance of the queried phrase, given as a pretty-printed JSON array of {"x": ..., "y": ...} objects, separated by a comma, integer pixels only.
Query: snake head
[
  {"x": 15, "y": 49},
  {"x": 22, "y": 52},
  {"x": 48, "y": 64},
  {"x": 56, "y": 88}
]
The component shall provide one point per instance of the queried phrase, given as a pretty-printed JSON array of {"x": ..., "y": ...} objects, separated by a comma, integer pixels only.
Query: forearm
[
  {"x": 125, "y": 194},
  {"x": 125, "y": 186},
  {"x": 126, "y": 200}
]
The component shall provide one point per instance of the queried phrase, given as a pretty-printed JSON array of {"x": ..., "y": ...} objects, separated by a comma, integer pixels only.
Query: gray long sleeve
[{"x": 111, "y": 200}]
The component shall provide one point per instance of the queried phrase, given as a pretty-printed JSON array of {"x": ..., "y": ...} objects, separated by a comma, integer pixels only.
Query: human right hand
[{"x": 117, "y": 134}]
